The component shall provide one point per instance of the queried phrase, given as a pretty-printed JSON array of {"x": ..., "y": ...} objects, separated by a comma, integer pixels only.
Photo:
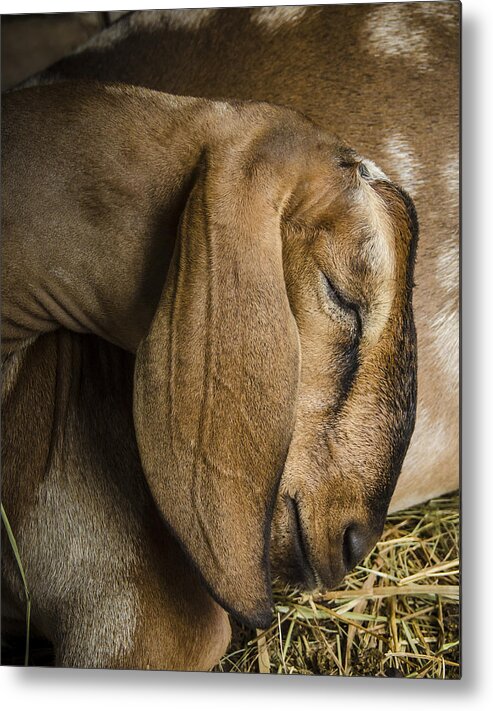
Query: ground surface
[{"x": 397, "y": 614}]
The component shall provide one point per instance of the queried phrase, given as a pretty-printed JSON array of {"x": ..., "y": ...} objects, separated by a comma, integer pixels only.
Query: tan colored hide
[
  {"x": 218, "y": 242},
  {"x": 385, "y": 77}
]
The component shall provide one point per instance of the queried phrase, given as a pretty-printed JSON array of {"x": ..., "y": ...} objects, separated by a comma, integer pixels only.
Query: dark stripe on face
[{"x": 351, "y": 365}]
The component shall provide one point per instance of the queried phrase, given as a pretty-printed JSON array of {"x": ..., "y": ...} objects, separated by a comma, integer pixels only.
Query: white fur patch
[
  {"x": 445, "y": 330},
  {"x": 430, "y": 443},
  {"x": 445, "y": 326},
  {"x": 444, "y": 13},
  {"x": 376, "y": 173},
  {"x": 450, "y": 175},
  {"x": 380, "y": 253},
  {"x": 406, "y": 168},
  {"x": 274, "y": 17},
  {"x": 447, "y": 266},
  {"x": 432, "y": 434},
  {"x": 392, "y": 31}
]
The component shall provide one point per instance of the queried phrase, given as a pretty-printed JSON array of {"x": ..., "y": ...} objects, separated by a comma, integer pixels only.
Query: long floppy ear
[{"x": 216, "y": 385}]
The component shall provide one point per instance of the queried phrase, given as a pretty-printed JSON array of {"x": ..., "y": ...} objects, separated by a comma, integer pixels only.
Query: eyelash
[{"x": 340, "y": 301}]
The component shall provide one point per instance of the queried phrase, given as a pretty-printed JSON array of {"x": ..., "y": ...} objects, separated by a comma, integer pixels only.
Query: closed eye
[{"x": 341, "y": 301}]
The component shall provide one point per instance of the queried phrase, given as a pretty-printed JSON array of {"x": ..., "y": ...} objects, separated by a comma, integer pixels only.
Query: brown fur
[
  {"x": 217, "y": 372},
  {"x": 365, "y": 414},
  {"x": 385, "y": 77},
  {"x": 110, "y": 586}
]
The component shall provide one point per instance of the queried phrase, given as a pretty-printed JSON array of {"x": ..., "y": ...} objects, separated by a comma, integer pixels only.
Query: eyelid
[{"x": 343, "y": 302}]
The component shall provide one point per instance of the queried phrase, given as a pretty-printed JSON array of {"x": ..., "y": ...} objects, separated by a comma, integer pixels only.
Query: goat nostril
[{"x": 354, "y": 546}]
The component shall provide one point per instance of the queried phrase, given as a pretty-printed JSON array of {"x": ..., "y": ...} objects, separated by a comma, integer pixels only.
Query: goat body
[{"x": 385, "y": 77}]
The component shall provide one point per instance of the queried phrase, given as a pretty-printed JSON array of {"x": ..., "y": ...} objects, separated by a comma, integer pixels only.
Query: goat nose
[{"x": 355, "y": 545}]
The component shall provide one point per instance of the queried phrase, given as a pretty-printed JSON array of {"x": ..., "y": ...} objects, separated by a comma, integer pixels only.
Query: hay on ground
[{"x": 396, "y": 614}]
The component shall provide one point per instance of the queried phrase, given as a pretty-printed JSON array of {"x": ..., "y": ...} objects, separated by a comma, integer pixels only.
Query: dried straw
[{"x": 396, "y": 614}]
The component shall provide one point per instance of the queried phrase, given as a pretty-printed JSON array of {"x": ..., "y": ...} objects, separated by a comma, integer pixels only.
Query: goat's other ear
[{"x": 216, "y": 384}]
